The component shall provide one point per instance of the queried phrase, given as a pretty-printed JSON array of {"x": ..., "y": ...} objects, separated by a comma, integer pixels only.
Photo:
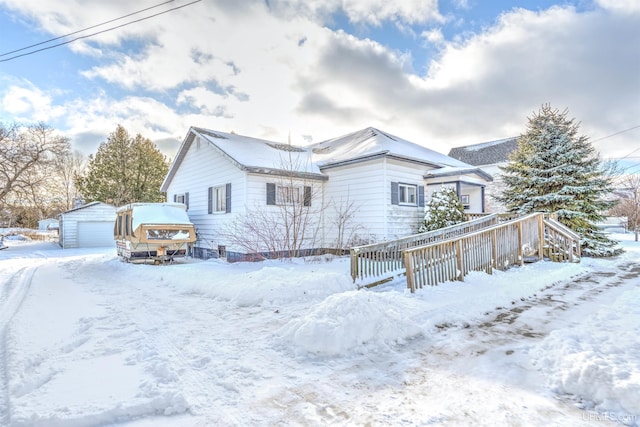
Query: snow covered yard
[{"x": 88, "y": 340}]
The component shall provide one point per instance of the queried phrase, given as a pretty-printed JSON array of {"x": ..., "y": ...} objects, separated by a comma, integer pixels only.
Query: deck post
[
  {"x": 408, "y": 268},
  {"x": 460, "y": 260},
  {"x": 540, "y": 236},
  {"x": 354, "y": 265},
  {"x": 520, "y": 252}
]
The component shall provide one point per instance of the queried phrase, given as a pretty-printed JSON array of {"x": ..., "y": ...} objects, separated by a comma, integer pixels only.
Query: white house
[
  {"x": 90, "y": 225},
  {"x": 362, "y": 187}
]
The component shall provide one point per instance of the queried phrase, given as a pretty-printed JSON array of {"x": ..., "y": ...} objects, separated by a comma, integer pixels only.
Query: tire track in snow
[{"x": 14, "y": 294}]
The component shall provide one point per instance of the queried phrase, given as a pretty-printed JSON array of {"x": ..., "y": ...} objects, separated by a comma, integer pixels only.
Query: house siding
[
  {"x": 401, "y": 220},
  {"x": 361, "y": 184},
  {"x": 257, "y": 196},
  {"x": 203, "y": 167}
]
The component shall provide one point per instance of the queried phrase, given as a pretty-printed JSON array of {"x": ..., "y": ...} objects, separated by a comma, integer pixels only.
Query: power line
[
  {"x": 617, "y": 133},
  {"x": 85, "y": 29},
  {"x": 100, "y": 32}
]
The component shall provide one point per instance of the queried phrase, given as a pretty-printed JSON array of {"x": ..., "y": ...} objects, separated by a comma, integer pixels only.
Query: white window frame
[
  {"x": 219, "y": 199},
  {"x": 406, "y": 192},
  {"x": 288, "y": 195}
]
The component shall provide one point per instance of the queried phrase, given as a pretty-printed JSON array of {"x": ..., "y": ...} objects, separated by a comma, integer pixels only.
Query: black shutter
[
  {"x": 210, "y": 200},
  {"x": 175, "y": 198},
  {"x": 307, "y": 196},
  {"x": 186, "y": 199},
  {"x": 421, "y": 195},
  {"x": 271, "y": 193},
  {"x": 228, "y": 198},
  {"x": 395, "y": 200}
]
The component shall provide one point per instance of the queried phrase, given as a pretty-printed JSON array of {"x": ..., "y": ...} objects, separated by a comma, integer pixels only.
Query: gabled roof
[
  {"x": 486, "y": 153},
  {"x": 371, "y": 142},
  {"x": 249, "y": 154},
  {"x": 268, "y": 157}
]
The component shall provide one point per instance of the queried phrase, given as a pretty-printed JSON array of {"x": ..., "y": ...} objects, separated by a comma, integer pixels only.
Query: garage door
[{"x": 93, "y": 234}]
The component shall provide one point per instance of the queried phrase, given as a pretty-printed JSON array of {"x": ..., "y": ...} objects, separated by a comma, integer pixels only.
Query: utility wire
[
  {"x": 617, "y": 133},
  {"x": 100, "y": 32},
  {"x": 84, "y": 29}
]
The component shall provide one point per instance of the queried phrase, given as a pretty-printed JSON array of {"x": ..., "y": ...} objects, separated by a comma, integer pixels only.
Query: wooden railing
[
  {"x": 380, "y": 262},
  {"x": 561, "y": 243},
  {"x": 496, "y": 247}
]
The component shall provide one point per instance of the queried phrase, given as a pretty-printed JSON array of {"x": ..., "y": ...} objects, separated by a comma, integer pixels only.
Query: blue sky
[{"x": 441, "y": 74}]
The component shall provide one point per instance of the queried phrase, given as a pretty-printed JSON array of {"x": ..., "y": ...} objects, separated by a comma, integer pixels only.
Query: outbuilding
[
  {"x": 87, "y": 226},
  {"x": 48, "y": 224}
]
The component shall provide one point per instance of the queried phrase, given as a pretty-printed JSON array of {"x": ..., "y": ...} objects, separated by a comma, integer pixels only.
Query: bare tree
[
  {"x": 629, "y": 203},
  {"x": 343, "y": 219},
  {"x": 289, "y": 224},
  {"x": 27, "y": 156},
  {"x": 67, "y": 168}
]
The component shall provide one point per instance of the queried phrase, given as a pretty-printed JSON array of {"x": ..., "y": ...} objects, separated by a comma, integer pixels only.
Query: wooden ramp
[{"x": 484, "y": 244}]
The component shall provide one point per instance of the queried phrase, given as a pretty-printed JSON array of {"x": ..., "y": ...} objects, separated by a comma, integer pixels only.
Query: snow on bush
[
  {"x": 355, "y": 321},
  {"x": 598, "y": 361}
]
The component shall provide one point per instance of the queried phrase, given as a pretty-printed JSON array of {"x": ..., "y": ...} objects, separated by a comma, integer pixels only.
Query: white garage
[{"x": 87, "y": 226}]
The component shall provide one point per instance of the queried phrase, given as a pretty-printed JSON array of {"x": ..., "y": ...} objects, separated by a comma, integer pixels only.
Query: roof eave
[
  {"x": 476, "y": 171},
  {"x": 375, "y": 156}
]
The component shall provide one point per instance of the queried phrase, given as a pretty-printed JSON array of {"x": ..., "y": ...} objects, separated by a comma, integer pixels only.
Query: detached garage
[{"x": 87, "y": 226}]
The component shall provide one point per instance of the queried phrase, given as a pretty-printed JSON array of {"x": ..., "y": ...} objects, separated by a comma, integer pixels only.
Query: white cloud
[
  {"x": 26, "y": 103},
  {"x": 371, "y": 12},
  {"x": 433, "y": 36},
  {"x": 239, "y": 66},
  {"x": 625, "y": 6}
]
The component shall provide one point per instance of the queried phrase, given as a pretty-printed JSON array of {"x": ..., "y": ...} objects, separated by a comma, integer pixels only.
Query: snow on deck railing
[{"x": 380, "y": 262}]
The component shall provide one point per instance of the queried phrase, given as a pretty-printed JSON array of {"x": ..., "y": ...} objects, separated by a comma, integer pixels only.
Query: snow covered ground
[{"x": 88, "y": 340}]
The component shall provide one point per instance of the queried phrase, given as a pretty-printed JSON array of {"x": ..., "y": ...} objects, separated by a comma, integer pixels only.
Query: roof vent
[
  {"x": 287, "y": 147},
  {"x": 322, "y": 150}
]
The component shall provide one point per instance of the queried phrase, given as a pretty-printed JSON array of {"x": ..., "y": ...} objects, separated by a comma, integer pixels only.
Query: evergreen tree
[
  {"x": 124, "y": 170},
  {"x": 444, "y": 209},
  {"x": 556, "y": 170}
]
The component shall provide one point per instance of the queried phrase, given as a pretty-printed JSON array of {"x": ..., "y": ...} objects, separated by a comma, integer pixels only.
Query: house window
[
  {"x": 407, "y": 194},
  {"x": 464, "y": 199},
  {"x": 182, "y": 198},
  {"x": 220, "y": 199},
  {"x": 287, "y": 195}
]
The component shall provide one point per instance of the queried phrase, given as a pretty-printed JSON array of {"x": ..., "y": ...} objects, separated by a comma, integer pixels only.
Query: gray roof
[{"x": 486, "y": 153}]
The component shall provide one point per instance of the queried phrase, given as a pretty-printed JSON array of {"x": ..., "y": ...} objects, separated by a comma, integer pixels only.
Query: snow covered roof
[
  {"x": 250, "y": 154},
  {"x": 255, "y": 154},
  {"x": 486, "y": 153},
  {"x": 262, "y": 156},
  {"x": 88, "y": 205},
  {"x": 372, "y": 142}
]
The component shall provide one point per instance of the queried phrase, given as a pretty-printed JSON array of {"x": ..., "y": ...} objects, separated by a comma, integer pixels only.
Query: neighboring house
[
  {"x": 90, "y": 225},
  {"x": 488, "y": 156},
  {"x": 370, "y": 182},
  {"x": 48, "y": 224}
]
